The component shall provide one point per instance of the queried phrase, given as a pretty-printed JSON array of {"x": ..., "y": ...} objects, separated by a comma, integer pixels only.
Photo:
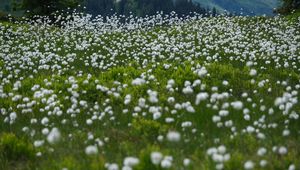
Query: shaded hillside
[
  {"x": 247, "y": 7},
  {"x": 5, "y": 5},
  {"x": 149, "y": 7},
  {"x": 128, "y": 7},
  {"x": 142, "y": 7}
]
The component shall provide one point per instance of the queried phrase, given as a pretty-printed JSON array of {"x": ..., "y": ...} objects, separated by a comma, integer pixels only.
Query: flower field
[{"x": 154, "y": 93}]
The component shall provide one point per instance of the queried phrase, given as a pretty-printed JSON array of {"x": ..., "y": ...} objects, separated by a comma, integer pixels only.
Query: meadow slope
[{"x": 152, "y": 93}]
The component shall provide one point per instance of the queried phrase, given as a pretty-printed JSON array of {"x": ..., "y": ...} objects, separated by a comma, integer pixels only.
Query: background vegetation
[{"x": 149, "y": 7}]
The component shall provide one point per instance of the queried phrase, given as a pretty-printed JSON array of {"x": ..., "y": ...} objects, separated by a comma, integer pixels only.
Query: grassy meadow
[{"x": 154, "y": 93}]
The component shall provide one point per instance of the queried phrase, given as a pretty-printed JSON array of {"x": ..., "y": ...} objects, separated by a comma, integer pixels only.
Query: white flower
[
  {"x": 173, "y": 136},
  {"x": 226, "y": 157},
  {"x": 169, "y": 120},
  {"x": 225, "y": 83},
  {"x": 190, "y": 109},
  {"x": 247, "y": 117},
  {"x": 89, "y": 121},
  {"x": 263, "y": 163},
  {"x": 223, "y": 113},
  {"x": 217, "y": 158},
  {"x": 131, "y": 161},
  {"x": 211, "y": 151},
  {"x": 45, "y": 131},
  {"x": 160, "y": 138},
  {"x": 171, "y": 100},
  {"x": 261, "y": 151},
  {"x": 202, "y": 72},
  {"x": 152, "y": 96},
  {"x": 187, "y": 90},
  {"x": 238, "y": 105},
  {"x": 126, "y": 168},
  {"x": 38, "y": 154},
  {"x": 196, "y": 83},
  {"x": 38, "y": 143},
  {"x": 127, "y": 99},
  {"x": 112, "y": 166},
  {"x": 45, "y": 121},
  {"x": 249, "y": 165},
  {"x": 53, "y": 136},
  {"x": 220, "y": 166},
  {"x": 156, "y": 115},
  {"x": 292, "y": 167},
  {"x": 156, "y": 157},
  {"x": 171, "y": 82},
  {"x": 282, "y": 150},
  {"x": 286, "y": 132},
  {"x": 142, "y": 102},
  {"x": 216, "y": 119},
  {"x": 222, "y": 149},
  {"x": 138, "y": 81},
  {"x": 186, "y": 162},
  {"x": 91, "y": 150},
  {"x": 250, "y": 129},
  {"x": 201, "y": 97},
  {"x": 13, "y": 116},
  {"x": 186, "y": 124},
  {"x": 253, "y": 72},
  {"x": 261, "y": 136},
  {"x": 166, "y": 163}
]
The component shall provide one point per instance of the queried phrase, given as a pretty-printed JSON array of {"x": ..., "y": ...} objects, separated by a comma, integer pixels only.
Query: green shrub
[
  {"x": 1, "y": 63},
  {"x": 13, "y": 148},
  {"x": 3, "y": 16},
  {"x": 145, "y": 159},
  {"x": 235, "y": 162},
  {"x": 148, "y": 129}
]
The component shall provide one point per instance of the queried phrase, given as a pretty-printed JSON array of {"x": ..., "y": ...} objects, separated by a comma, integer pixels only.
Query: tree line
[
  {"x": 289, "y": 6},
  {"x": 122, "y": 7},
  {"x": 143, "y": 7},
  {"x": 109, "y": 7}
]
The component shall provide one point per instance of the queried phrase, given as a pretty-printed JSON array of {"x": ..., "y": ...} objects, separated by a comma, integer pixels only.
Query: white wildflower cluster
[
  {"x": 91, "y": 150},
  {"x": 138, "y": 81},
  {"x": 173, "y": 136},
  {"x": 130, "y": 162},
  {"x": 170, "y": 85},
  {"x": 175, "y": 82},
  {"x": 152, "y": 96},
  {"x": 201, "y": 97},
  {"x": 286, "y": 102},
  {"x": 112, "y": 166},
  {"x": 219, "y": 155},
  {"x": 158, "y": 158},
  {"x": 249, "y": 165},
  {"x": 54, "y": 136},
  {"x": 201, "y": 71}
]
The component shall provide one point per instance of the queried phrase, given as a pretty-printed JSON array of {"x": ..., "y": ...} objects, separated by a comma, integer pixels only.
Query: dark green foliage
[
  {"x": 3, "y": 17},
  {"x": 104, "y": 7},
  {"x": 289, "y": 6},
  {"x": 147, "y": 129},
  {"x": 46, "y": 7},
  {"x": 142, "y": 7},
  {"x": 13, "y": 148}
]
